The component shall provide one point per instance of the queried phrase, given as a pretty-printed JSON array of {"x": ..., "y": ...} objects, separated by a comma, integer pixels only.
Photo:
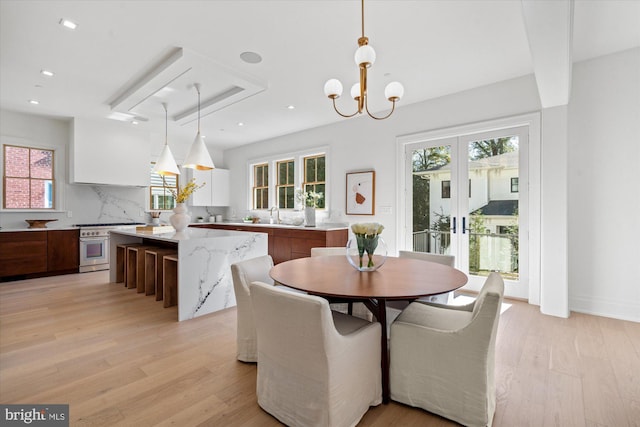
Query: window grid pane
[
  {"x": 286, "y": 180},
  {"x": 28, "y": 182},
  {"x": 315, "y": 174},
  {"x": 261, "y": 186},
  {"x": 160, "y": 188}
]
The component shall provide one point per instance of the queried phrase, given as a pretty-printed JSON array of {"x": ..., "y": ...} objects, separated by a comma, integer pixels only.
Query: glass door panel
[
  {"x": 467, "y": 197},
  {"x": 431, "y": 196}
]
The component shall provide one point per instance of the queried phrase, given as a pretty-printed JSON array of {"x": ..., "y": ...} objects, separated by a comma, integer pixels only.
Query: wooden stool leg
[{"x": 150, "y": 268}]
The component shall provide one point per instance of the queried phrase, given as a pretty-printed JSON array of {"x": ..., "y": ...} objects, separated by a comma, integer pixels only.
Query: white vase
[
  {"x": 309, "y": 216},
  {"x": 180, "y": 218}
]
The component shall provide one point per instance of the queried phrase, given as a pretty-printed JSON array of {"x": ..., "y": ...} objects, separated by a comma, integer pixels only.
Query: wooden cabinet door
[
  {"x": 23, "y": 252},
  {"x": 63, "y": 250}
]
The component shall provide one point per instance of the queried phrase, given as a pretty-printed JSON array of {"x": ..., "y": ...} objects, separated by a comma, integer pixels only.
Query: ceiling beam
[{"x": 549, "y": 26}]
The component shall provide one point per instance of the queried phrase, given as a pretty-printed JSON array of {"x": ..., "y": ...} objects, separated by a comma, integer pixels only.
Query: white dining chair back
[
  {"x": 243, "y": 273},
  {"x": 448, "y": 260},
  {"x": 316, "y": 367}
]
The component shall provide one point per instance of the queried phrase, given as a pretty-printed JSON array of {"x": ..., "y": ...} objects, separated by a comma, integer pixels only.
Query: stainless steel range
[{"x": 94, "y": 244}]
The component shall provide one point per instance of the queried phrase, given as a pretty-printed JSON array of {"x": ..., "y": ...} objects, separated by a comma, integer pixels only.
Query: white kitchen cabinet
[
  {"x": 216, "y": 189},
  {"x": 109, "y": 153}
]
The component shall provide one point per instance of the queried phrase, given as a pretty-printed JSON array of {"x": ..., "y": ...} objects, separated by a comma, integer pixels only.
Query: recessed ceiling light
[
  {"x": 34, "y": 102},
  {"x": 134, "y": 122},
  {"x": 46, "y": 73},
  {"x": 68, "y": 24},
  {"x": 251, "y": 57},
  {"x": 291, "y": 107},
  {"x": 240, "y": 124}
]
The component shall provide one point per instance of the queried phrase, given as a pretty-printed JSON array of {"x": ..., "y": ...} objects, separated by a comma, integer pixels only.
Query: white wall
[
  {"x": 604, "y": 186},
  {"x": 602, "y": 172},
  {"x": 85, "y": 203},
  {"x": 363, "y": 144}
]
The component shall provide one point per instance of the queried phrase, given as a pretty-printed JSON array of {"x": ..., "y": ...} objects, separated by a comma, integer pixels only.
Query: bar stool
[
  {"x": 170, "y": 280},
  {"x": 154, "y": 267},
  {"x": 135, "y": 266},
  {"x": 121, "y": 261}
]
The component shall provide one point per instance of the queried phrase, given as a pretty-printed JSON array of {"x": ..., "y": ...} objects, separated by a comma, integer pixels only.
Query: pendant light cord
[{"x": 362, "y": 18}]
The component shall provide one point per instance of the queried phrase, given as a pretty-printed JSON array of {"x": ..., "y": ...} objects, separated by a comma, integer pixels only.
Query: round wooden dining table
[{"x": 397, "y": 279}]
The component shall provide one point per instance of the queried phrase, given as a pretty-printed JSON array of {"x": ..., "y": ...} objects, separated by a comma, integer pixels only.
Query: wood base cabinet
[
  {"x": 291, "y": 243},
  {"x": 27, "y": 254}
]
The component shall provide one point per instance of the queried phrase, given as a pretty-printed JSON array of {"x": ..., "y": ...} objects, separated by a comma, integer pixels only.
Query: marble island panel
[{"x": 204, "y": 263}]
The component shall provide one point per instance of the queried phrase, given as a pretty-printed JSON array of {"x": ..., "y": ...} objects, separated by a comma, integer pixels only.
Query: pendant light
[
  {"x": 198, "y": 157},
  {"x": 365, "y": 57},
  {"x": 166, "y": 164}
]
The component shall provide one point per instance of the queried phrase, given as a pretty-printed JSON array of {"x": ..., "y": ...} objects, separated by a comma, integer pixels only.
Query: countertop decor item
[
  {"x": 310, "y": 201},
  {"x": 367, "y": 251},
  {"x": 39, "y": 223},
  {"x": 180, "y": 218}
]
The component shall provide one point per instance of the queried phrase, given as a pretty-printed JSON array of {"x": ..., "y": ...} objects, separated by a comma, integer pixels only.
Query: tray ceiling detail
[{"x": 171, "y": 80}]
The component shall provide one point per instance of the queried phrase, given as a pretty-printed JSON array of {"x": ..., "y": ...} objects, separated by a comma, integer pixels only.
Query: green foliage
[{"x": 492, "y": 147}]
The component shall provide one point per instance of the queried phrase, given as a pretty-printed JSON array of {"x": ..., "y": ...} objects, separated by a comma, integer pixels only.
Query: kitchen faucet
[{"x": 271, "y": 214}]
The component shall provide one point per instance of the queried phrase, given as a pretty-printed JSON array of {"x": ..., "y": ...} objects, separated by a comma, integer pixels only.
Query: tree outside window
[
  {"x": 28, "y": 178},
  {"x": 160, "y": 190},
  {"x": 261, "y": 186},
  {"x": 314, "y": 177},
  {"x": 286, "y": 184}
]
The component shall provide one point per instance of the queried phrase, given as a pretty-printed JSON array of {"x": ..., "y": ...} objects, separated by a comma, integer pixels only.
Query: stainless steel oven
[{"x": 94, "y": 245}]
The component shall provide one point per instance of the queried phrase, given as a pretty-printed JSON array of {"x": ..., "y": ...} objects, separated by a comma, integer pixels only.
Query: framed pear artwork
[{"x": 361, "y": 193}]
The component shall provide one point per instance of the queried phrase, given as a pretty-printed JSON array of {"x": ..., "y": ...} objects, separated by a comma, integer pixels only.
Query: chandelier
[{"x": 365, "y": 57}]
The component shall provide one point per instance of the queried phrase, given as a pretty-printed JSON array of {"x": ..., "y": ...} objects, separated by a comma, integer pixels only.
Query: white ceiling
[{"x": 434, "y": 47}]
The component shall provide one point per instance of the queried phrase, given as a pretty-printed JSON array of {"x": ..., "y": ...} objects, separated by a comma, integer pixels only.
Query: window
[
  {"x": 286, "y": 184},
  {"x": 446, "y": 189},
  {"x": 28, "y": 178},
  {"x": 261, "y": 186},
  {"x": 514, "y": 185},
  {"x": 160, "y": 191},
  {"x": 314, "y": 176}
]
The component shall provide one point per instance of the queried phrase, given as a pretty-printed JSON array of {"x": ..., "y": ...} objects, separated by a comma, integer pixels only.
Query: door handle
[
  {"x": 454, "y": 225},
  {"x": 464, "y": 224}
]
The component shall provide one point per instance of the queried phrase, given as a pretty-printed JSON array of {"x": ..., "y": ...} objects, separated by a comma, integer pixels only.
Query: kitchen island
[{"x": 204, "y": 263}]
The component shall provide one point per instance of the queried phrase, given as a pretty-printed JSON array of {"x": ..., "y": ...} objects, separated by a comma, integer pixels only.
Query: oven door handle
[{"x": 90, "y": 239}]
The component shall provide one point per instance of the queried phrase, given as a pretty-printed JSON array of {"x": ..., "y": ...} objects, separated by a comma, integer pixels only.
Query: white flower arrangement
[{"x": 308, "y": 198}]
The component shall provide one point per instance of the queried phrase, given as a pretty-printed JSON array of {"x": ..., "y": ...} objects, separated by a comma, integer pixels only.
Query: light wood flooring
[{"x": 119, "y": 358}]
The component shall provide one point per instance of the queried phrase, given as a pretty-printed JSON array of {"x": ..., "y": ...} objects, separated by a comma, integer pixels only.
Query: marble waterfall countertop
[{"x": 204, "y": 263}]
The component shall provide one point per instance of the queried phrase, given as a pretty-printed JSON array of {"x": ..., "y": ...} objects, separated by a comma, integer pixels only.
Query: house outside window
[
  {"x": 514, "y": 185},
  {"x": 260, "y": 189},
  {"x": 28, "y": 178},
  {"x": 315, "y": 175},
  {"x": 286, "y": 184},
  {"x": 160, "y": 191}
]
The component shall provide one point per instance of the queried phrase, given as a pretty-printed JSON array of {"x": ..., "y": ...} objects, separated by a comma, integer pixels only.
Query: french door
[{"x": 467, "y": 196}]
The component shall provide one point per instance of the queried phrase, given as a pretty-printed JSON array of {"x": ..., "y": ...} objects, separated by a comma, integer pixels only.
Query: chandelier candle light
[{"x": 365, "y": 57}]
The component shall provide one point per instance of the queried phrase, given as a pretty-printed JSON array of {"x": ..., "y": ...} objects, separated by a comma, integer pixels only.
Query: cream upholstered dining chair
[
  {"x": 316, "y": 367},
  {"x": 243, "y": 273},
  {"x": 357, "y": 309},
  {"x": 449, "y": 260},
  {"x": 442, "y": 358}
]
